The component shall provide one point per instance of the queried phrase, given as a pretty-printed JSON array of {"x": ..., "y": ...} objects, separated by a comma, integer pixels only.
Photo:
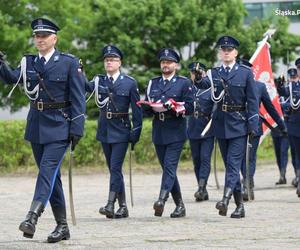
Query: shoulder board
[
  {"x": 216, "y": 68},
  {"x": 30, "y": 55},
  {"x": 156, "y": 78},
  {"x": 101, "y": 76},
  {"x": 67, "y": 54},
  {"x": 183, "y": 77},
  {"x": 130, "y": 77},
  {"x": 244, "y": 66}
]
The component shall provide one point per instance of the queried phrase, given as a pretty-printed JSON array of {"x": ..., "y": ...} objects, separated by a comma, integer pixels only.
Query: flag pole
[{"x": 262, "y": 43}]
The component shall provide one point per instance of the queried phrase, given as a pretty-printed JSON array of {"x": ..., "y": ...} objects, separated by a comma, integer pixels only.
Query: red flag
[{"x": 262, "y": 70}]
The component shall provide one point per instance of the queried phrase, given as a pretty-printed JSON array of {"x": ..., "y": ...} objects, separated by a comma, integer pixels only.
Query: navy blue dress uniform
[
  {"x": 264, "y": 99},
  {"x": 114, "y": 97},
  {"x": 233, "y": 89},
  {"x": 169, "y": 130},
  {"x": 201, "y": 146},
  {"x": 55, "y": 87},
  {"x": 292, "y": 92},
  {"x": 282, "y": 145}
]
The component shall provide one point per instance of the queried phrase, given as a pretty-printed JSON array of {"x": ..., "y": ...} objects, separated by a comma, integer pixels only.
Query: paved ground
[{"x": 272, "y": 220}]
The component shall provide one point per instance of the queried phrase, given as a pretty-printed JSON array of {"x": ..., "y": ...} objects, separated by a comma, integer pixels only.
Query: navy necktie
[
  {"x": 227, "y": 69},
  {"x": 43, "y": 60},
  {"x": 166, "y": 82},
  {"x": 111, "y": 79}
]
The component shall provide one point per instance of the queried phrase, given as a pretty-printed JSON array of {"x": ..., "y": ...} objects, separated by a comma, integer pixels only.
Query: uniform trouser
[
  {"x": 233, "y": 152},
  {"x": 252, "y": 158},
  {"x": 48, "y": 185},
  {"x": 281, "y": 146},
  {"x": 168, "y": 156},
  {"x": 295, "y": 141},
  {"x": 295, "y": 158},
  {"x": 201, "y": 153},
  {"x": 115, "y": 154}
]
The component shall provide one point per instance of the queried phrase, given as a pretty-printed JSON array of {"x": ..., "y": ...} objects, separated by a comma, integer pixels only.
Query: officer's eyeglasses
[{"x": 107, "y": 60}]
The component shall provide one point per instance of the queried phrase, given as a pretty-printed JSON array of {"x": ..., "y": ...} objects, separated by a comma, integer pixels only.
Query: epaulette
[
  {"x": 245, "y": 66},
  {"x": 101, "y": 76},
  {"x": 183, "y": 77},
  {"x": 30, "y": 55},
  {"x": 130, "y": 77},
  {"x": 67, "y": 54},
  {"x": 155, "y": 78}
]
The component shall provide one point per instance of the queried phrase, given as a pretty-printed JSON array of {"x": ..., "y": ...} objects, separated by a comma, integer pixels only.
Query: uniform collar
[
  {"x": 114, "y": 76},
  {"x": 169, "y": 78},
  {"x": 230, "y": 66},
  {"x": 47, "y": 56}
]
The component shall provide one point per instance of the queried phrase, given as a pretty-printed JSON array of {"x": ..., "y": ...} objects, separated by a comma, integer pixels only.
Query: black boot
[
  {"x": 108, "y": 210},
  {"x": 239, "y": 212},
  {"x": 222, "y": 205},
  {"x": 160, "y": 203},
  {"x": 201, "y": 194},
  {"x": 28, "y": 225},
  {"x": 122, "y": 211},
  {"x": 295, "y": 181},
  {"x": 180, "y": 209},
  {"x": 282, "y": 179},
  {"x": 298, "y": 186},
  {"x": 61, "y": 231}
]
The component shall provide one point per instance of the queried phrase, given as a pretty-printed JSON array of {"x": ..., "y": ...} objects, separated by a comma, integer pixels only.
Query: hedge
[{"x": 15, "y": 152}]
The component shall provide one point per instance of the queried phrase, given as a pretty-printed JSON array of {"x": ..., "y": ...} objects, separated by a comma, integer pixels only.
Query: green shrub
[{"x": 15, "y": 152}]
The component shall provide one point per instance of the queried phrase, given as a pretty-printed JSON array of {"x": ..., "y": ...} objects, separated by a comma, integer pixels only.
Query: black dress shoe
[
  {"x": 108, "y": 210},
  {"x": 61, "y": 232},
  {"x": 222, "y": 205},
  {"x": 281, "y": 181},
  {"x": 28, "y": 225},
  {"x": 159, "y": 205},
  {"x": 239, "y": 212},
  {"x": 122, "y": 213}
]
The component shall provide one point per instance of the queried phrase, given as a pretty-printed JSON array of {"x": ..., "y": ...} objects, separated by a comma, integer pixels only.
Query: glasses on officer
[{"x": 112, "y": 59}]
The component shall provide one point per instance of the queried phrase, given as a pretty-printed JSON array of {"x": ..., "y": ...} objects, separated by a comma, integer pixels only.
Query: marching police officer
[
  {"x": 201, "y": 146},
  {"x": 281, "y": 142},
  {"x": 293, "y": 121},
  {"x": 115, "y": 92},
  {"x": 53, "y": 82},
  {"x": 236, "y": 116},
  {"x": 263, "y": 98},
  {"x": 169, "y": 127}
]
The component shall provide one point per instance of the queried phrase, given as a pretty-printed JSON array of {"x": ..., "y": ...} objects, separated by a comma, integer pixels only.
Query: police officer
[
  {"x": 169, "y": 127},
  {"x": 281, "y": 142},
  {"x": 115, "y": 92},
  {"x": 293, "y": 122},
  {"x": 53, "y": 82},
  {"x": 201, "y": 146},
  {"x": 236, "y": 116},
  {"x": 263, "y": 98}
]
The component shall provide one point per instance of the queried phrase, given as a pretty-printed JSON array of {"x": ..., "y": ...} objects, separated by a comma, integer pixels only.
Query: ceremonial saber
[
  {"x": 248, "y": 148},
  {"x": 71, "y": 160},
  {"x": 130, "y": 174},
  {"x": 215, "y": 165}
]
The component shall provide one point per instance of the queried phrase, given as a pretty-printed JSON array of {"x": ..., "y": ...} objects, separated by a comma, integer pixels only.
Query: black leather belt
[
  {"x": 230, "y": 108},
  {"x": 197, "y": 114},
  {"x": 163, "y": 116},
  {"x": 111, "y": 115},
  {"x": 49, "y": 105}
]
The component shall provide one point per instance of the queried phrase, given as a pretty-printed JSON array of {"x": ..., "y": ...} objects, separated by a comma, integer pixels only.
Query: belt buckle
[
  {"x": 196, "y": 114},
  {"x": 40, "y": 106},
  {"x": 161, "y": 116},
  {"x": 108, "y": 115},
  {"x": 224, "y": 107}
]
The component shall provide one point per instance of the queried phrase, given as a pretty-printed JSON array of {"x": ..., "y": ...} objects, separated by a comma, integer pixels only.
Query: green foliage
[
  {"x": 140, "y": 28},
  {"x": 15, "y": 153}
]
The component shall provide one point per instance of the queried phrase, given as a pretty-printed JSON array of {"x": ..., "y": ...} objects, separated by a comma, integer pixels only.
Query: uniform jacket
[
  {"x": 293, "y": 114},
  {"x": 172, "y": 129},
  {"x": 242, "y": 90},
  {"x": 203, "y": 106},
  {"x": 64, "y": 81},
  {"x": 264, "y": 98},
  {"x": 124, "y": 94}
]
